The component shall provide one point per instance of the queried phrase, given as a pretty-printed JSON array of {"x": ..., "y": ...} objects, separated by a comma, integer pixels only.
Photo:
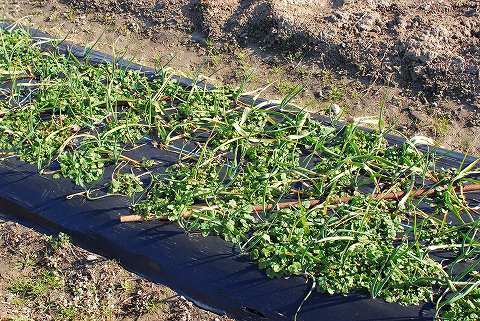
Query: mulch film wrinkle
[{"x": 206, "y": 269}]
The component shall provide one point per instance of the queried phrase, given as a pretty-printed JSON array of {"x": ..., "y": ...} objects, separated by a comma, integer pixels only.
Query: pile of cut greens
[{"x": 73, "y": 118}]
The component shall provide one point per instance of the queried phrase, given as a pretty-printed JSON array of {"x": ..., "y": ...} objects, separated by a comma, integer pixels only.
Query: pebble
[
  {"x": 335, "y": 109},
  {"x": 318, "y": 93},
  {"x": 91, "y": 257},
  {"x": 368, "y": 21}
]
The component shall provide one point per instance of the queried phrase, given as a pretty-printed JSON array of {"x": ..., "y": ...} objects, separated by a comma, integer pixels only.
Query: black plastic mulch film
[{"x": 206, "y": 270}]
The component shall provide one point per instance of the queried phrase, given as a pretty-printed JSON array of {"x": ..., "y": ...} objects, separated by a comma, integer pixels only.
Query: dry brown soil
[
  {"x": 432, "y": 45},
  {"x": 48, "y": 278}
]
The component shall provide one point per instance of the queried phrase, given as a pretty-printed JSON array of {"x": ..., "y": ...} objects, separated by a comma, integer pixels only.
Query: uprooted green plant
[{"x": 74, "y": 119}]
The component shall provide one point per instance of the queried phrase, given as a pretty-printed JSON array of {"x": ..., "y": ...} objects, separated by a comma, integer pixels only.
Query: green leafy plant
[
  {"x": 59, "y": 241},
  {"x": 127, "y": 184},
  {"x": 33, "y": 288},
  {"x": 83, "y": 167},
  {"x": 250, "y": 172}
]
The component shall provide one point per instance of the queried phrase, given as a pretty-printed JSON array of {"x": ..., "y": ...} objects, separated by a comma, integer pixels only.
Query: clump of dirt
[
  {"x": 49, "y": 278},
  {"x": 235, "y": 20},
  {"x": 432, "y": 45},
  {"x": 149, "y": 14}
]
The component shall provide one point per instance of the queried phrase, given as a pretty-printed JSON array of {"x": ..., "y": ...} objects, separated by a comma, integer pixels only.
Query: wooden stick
[
  {"x": 130, "y": 160},
  {"x": 185, "y": 214},
  {"x": 131, "y": 218},
  {"x": 415, "y": 193}
]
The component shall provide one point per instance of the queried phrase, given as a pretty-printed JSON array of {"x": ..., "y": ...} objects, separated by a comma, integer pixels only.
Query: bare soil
[
  {"x": 49, "y": 278},
  {"x": 429, "y": 45}
]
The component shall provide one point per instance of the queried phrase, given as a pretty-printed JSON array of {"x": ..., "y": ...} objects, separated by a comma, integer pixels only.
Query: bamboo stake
[
  {"x": 131, "y": 218},
  {"x": 415, "y": 193},
  {"x": 185, "y": 214},
  {"x": 130, "y": 160},
  {"x": 138, "y": 218}
]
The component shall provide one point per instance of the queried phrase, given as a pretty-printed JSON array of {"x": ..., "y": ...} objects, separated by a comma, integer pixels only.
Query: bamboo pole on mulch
[
  {"x": 415, "y": 193},
  {"x": 186, "y": 214}
]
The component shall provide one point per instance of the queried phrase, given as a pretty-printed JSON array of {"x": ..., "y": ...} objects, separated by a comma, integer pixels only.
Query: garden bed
[{"x": 167, "y": 148}]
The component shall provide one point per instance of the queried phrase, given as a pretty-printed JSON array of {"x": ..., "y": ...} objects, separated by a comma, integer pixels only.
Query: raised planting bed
[{"x": 249, "y": 207}]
